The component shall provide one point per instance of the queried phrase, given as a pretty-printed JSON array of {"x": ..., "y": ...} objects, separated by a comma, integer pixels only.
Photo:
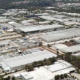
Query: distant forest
[{"x": 7, "y": 4}]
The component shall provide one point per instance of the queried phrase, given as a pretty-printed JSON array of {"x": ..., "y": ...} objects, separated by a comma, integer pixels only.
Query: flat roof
[
  {"x": 43, "y": 73},
  {"x": 77, "y": 54},
  {"x": 29, "y": 58},
  {"x": 73, "y": 49},
  {"x": 4, "y": 42},
  {"x": 61, "y": 35},
  {"x": 26, "y": 76},
  {"x": 41, "y": 27},
  {"x": 60, "y": 67},
  {"x": 6, "y": 25},
  {"x": 59, "y": 46},
  {"x": 24, "y": 43}
]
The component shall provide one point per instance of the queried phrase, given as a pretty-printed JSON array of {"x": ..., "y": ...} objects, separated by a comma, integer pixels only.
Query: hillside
[{"x": 28, "y": 3}]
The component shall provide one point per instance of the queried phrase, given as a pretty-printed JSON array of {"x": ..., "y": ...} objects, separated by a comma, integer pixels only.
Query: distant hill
[{"x": 29, "y": 3}]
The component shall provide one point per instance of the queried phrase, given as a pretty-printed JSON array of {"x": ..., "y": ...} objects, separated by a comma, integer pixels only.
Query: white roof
[
  {"x": 10, "y": 30},
  {"x": 16, "y": 75},
  {"x": 44, "y": 73},
  {"x": 4, "y": 42},
  {"x": 5, "y": 66},
  {"x": 4, "y": 20},
  {"x": 71, "y": 23},
  {"x": 61, "y": 35},
  {"x": 29, "y": 58},
  {"x": 74, "y": 48},
  {"x": 60, "y": 46},
  {"x": 47, "y": 18},
  {"x": 42, "y": 27},
  {"x": 44, "y": 22},
  {"x": 26, "y": 76},
  {"x": 77, "y": 54},
  {"x": 60, "y": 65}
]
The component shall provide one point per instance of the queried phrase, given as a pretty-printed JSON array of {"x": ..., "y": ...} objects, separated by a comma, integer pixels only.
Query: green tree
[
  {"x": 65, "y": 75},
  {"x": 30, "y": 68},
  {"x": 48, "y": 62},
  {"x": 34, "y": 64},
  {"x": 40, "y": 43},
  {"x": 13, "y": 78},
  {"x": 48, "y": 45},
  {"x": 62, "y": 76},
  {"x": 57, "y": 77}
]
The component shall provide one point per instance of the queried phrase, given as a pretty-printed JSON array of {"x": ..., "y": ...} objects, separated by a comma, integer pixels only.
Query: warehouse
[
  {"x": 26, "y": 76},
  {"x": 41, "y": 28},
  {"x": 6, "y": 36},
  {"x": 61, "y": 35},
  {"x": 59, "y": 46},
  {"x": 49, "y": 71},
  {"x": 72, "y": 49},
  {"x": 5, "y": 26},
  {"x": 60, "y": 67},
  {"x": 4, "y": 43},
  {"x": 36, "y": 28},
  {"x": 10, "y": 64},
  {"x": 23, "y": 44},
  {"x": 76, "y": 55}
]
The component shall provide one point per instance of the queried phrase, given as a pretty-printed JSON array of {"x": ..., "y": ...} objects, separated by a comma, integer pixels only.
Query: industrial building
[
  {"x": 42, "y": 28},
  {"x": 36, "y": 28},
  {"x": 72, "y": 49},
  {"x": 23, "y": 43},
  {"x": 7, "y": 36},
  {"x": 5, "y": 26},
  {"x": 47, "y": 72},
  {"x": 60, "y": 35},
  {"x": 59, "y": 46},
  {"x": 61, "y": 67},
  {"x": 19, "y": 62},
  {"x": 4, "y": 43}
]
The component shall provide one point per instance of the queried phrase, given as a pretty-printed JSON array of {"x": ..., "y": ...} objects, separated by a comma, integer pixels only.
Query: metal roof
[
  {"x": 29, "y": 58},
  {"x": 61, "y": 35}
]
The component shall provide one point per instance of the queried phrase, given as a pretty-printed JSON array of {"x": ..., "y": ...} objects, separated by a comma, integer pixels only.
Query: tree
[
  {"x": 48, "y": 62},
  {"x": 13, "y": 78},
  {"x": 50, "y": 23},
  {"x": 65, "y": 75},
  {"x": 30, "y": 68},
  {"x": 40, "y": 43},
  {"x": 8, "y": 77},
  {"x": 45, "y": 61},
  {"x": 52, "y": 60},
  {"x": 57, "y": 52},
  {"x": 40, "y": 63},
  {"x": 48, "y": 45},
  {"x": 26, "y": 67},
  {"x": 57, "y": 77},
  {"x": 62, "y": 76},
  {"x": 34, "y": 64}
]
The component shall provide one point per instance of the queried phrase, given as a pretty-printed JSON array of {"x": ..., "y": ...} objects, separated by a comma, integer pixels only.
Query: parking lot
[
  {"x": 15, "y": 54},
  {"x": 76, "y": 75},
  {"x": 1, "y": 70}
]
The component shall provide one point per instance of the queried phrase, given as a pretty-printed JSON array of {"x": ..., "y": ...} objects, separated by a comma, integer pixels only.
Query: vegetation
[
  {"x": 75, "y": 61},
  {"x": 7, "y": 78},
  {"x": 40, "y": 63},
  {"x": 39, "y": 19},
  {"x": 13, "y": 78},
  {"x": 50, "y": 23},
  {"x": 9, "y": 4},
  {"x": 48, "y": 45},
  {"x": 72, "y": 10},
  {"x": 40, "y": 43},
  {"x": 62, "y": 76}
]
